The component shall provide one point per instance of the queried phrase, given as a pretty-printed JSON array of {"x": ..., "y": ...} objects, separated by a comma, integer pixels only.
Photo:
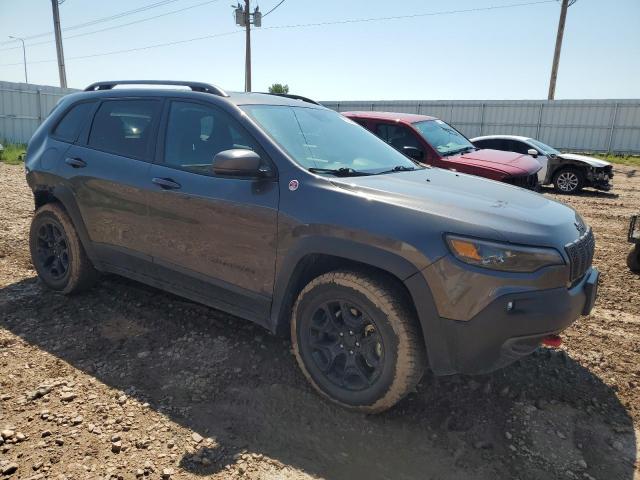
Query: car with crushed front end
[
  {"x": 433, "y": 142},
  {"x": 567, "y": 172},
  {"x": 285, "y": 213}
]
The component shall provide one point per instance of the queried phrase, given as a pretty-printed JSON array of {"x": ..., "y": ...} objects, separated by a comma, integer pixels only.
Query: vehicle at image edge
[
  {"x": 568, "y": 172},
  {"x": 283, "y": 212},
  {"x": 431, "y": 141},
  {"x": 633, "y": 259}
]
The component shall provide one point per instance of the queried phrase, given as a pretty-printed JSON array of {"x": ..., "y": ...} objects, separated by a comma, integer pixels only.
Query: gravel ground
[{"x": 126, "y": 382}]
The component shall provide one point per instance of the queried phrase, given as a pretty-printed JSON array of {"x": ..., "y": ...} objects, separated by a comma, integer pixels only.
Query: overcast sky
[{"x": 503, "y": 53}]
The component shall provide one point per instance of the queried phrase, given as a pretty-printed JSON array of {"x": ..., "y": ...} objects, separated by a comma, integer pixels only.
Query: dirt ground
[{"x": 126, "y": 381}]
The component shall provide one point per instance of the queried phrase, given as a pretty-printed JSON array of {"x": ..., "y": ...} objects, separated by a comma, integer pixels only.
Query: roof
[
  {"x": 393, "y": 116},
  {"x": 503, "y": 137}
]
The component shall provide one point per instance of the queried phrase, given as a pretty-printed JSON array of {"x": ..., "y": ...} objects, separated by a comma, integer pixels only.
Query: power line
[
  {"x": 301, "y": 25},
  {"x": 103, "y": 19},
  {"x": 413, "y": 15},
  {"x": 119, "y": 26},
  {"x": 147, "y": 47},
  {"x": 265, "y": 14}
]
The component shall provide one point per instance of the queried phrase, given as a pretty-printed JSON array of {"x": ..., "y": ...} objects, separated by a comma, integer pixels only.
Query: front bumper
[{"x": 498, "y": 335}]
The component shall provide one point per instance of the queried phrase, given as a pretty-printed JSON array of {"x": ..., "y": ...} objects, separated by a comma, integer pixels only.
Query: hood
[
  {"x": 508, "y": 162},
  {"x": 594, "y": 162},
  {"x": 469, "y": 205}
]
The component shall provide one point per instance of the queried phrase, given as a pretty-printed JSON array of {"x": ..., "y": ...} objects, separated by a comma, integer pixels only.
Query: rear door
[
  {"x": 108, "y": 172},
  {"x": 216, "y": 235}
]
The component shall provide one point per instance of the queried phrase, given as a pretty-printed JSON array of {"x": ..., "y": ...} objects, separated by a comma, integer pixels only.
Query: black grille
[
  {"x": 581, "y": 254},
  {"x": 524, "y": 181}
]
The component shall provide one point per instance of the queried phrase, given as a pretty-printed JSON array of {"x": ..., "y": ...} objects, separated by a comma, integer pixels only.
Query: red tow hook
[{"x": 552, "y": 341}]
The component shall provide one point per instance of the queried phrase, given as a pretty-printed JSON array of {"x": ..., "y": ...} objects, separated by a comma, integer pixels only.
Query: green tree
[{"x": 279, "y": 88}]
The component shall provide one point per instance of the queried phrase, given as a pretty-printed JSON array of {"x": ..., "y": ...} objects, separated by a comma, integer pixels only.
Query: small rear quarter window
[{"x": 71, "y": 124}]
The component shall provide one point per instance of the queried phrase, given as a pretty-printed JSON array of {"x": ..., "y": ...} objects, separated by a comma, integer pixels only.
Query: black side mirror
[
  {"x": 413, "y": 152},
  {"x": 237, "y": 162}
]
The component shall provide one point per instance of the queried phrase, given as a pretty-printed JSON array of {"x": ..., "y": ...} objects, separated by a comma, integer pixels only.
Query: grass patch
[
  {"x": 12, "y": 153},
  {"x": 633, "y": 160}
]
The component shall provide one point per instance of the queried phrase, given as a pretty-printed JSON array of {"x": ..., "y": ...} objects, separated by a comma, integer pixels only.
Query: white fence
[
  {"x": 582, "y": 125},
  {"x": 24, "y": 106}
]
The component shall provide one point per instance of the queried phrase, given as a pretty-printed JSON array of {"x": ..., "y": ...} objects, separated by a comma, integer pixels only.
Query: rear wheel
[
  {"x": 56, "y": 251},
  {"x": 568, "y": 180},
  {"x": 633, "y": 259},
  {"x": 356, "y": 340}
]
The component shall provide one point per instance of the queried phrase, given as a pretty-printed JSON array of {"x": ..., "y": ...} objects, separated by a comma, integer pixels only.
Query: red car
[{"x": 431, "y": 141}]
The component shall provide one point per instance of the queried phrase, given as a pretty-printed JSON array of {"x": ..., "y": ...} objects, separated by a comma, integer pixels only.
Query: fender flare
[
  {"x": 67, "y": 199},
  {"x": 290, "y": 268}
]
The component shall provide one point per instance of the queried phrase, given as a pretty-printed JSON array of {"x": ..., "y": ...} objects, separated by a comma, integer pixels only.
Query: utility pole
[
  {"x": 556, "y": 54},
  {"x": 24, "y": 56},
  {"x": 59, "y": 51},
  {"x": 244, "y": 19},
  {"x": 247, "y": 48}
]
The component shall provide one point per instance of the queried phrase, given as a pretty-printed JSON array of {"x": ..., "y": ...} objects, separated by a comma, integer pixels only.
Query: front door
[{"x": 216, "y": 235}]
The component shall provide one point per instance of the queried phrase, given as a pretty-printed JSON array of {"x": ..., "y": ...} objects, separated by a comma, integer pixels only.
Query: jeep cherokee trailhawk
[{"x": 280, "y": 211}]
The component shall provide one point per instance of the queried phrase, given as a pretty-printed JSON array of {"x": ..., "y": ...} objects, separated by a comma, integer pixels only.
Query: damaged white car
[{"x": 568, "y": 172}]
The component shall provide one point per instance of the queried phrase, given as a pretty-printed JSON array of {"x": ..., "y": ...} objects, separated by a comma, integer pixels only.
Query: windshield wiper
[
  {"x": 462, "y": 150},
  {"x": 398, "y": 168},
  {"x": 339, "y": 172}
]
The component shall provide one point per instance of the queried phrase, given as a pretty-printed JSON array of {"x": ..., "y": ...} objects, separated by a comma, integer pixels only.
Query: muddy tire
[
  {"x": 633, "y": 259},
  {"x": 568, "y": 180},
  {"x": 56, "y": 251},
  {"x": 357, "y": 341}
]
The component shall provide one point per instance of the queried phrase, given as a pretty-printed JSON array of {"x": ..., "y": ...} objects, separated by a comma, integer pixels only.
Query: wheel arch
[
  {"x": 314, "y": 257},
  {"x": 65, "y": 198}
]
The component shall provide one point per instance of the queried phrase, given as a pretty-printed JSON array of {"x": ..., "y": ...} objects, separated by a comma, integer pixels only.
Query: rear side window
[
  {"x": 125, "y": 127},
  {"x": 71, "y": 124}
]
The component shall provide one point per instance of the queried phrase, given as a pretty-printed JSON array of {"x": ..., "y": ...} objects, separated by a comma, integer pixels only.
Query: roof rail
[
  {"x": 195, "y": 86},
  {"x": 295, "y": 97}
]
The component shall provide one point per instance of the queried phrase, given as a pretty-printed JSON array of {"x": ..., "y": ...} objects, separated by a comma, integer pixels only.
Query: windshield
[
  {"x": 444, "y": 138},
  {"x": 324, "y": 139},
  {"x": 546, "y": 149}
]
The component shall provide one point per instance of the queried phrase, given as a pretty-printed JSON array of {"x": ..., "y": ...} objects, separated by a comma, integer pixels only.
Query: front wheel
[
  {"x": 357, "y": 341},
  {"x": 568, "y": 180}
]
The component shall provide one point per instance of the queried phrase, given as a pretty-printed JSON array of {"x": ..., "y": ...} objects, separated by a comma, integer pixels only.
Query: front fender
[{"x": 293, "y": 260}]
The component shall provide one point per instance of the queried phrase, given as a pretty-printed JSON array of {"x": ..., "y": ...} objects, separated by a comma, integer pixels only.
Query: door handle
[
  {"x": 75, "y": 162},
  {"x": 166, "y": 183}
]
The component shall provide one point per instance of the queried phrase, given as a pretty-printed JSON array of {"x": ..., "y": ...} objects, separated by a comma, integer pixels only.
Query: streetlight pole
[{"x": 24, "y": 57}]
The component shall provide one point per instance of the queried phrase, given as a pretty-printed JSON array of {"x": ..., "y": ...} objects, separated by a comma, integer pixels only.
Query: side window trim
[
  {"x": 160, "y": 147},
  {"x": 90, "y": 116},
  {"x": 151, "y": 147}
]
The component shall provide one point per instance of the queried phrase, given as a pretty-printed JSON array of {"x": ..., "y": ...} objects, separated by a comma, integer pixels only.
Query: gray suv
[{"x": 280, "y": 211}]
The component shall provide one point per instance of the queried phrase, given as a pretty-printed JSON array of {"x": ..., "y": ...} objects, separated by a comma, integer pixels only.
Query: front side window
[
  {"x": 445, "y": 139},
  {"x": 71, "y": 124},
  {"x": 543, "y": 147},
  {"x": 125, "y": 127},
  {"x": 324, "y": 139},
  {"x": 196, "y": 133},
  {"x": 398, "y": 136}
]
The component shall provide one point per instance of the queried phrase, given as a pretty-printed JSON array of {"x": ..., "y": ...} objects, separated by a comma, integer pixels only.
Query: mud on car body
[
  {"x": 567, "y": 172},
  {"x": 285, "y": 213}
]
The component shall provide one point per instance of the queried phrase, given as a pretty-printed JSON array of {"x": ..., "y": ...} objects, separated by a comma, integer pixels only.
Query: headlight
[{"x": 502, "y": 256}]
